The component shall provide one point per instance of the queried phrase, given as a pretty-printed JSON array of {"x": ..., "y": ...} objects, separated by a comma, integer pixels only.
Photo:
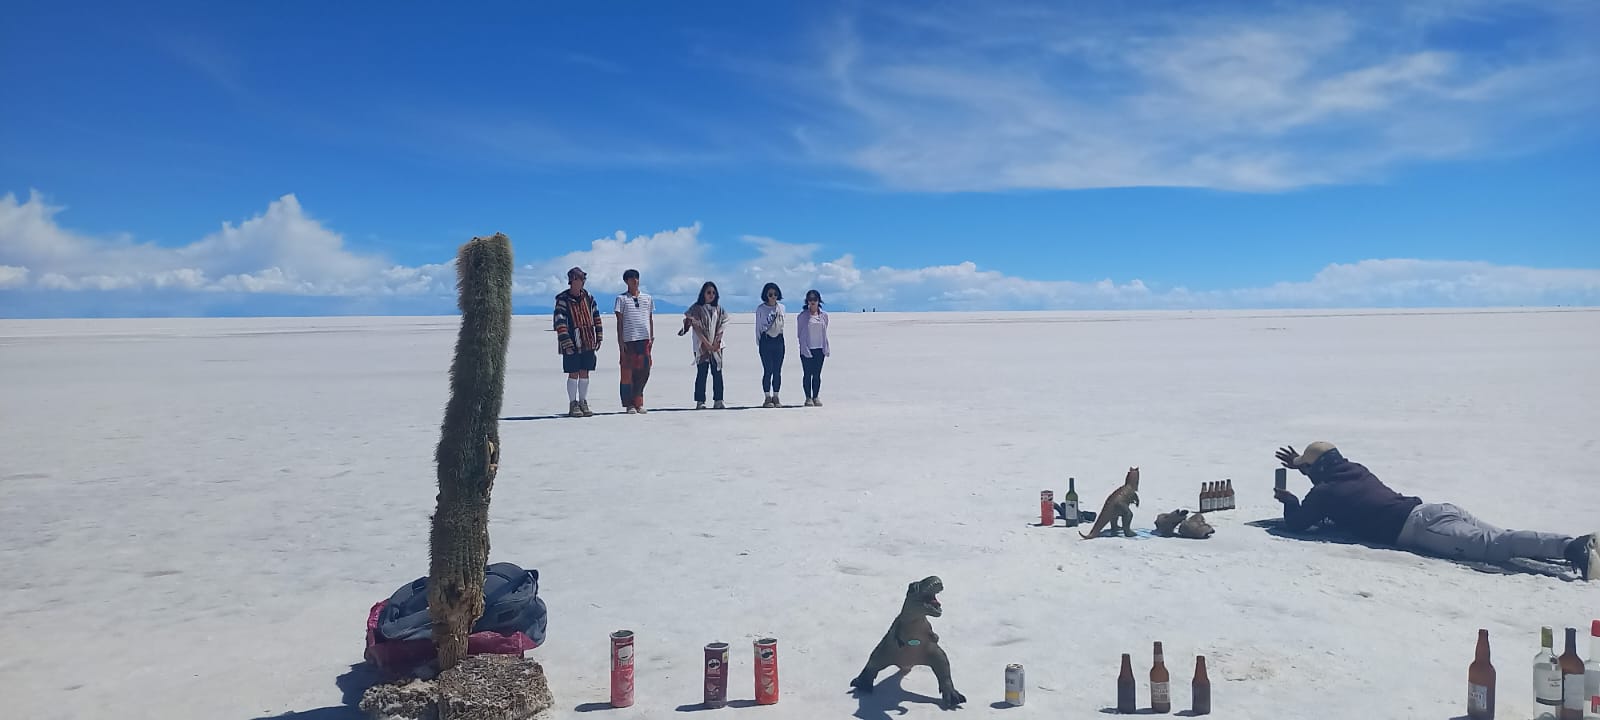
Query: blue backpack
[{"x": 511, "y": 604}]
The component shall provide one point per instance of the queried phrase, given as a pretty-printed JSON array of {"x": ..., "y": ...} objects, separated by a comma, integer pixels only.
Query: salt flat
[{"x": 196, "y": 515}]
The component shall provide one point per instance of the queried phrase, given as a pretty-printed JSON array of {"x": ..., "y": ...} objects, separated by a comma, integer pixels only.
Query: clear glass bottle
[{"x": 1546, "y": 677}]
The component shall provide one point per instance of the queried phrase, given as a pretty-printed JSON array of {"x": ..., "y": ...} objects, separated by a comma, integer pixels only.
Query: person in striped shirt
[
  {"x": 636, "y": 332},
  {"x": 579, "y": 332}
]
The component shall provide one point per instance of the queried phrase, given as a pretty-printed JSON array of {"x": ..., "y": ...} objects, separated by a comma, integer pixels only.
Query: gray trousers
[{"x": 1447, "y": 531}]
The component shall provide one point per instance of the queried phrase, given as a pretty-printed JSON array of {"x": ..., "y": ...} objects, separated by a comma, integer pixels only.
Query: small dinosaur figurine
[
  {"x": 1195, "y": 526},
  {"x": 1167, "y": 523},
  {"x": 1182, "y": 523},
  {"x": 911, "y": 641},
  {"x": 1118, "y": 506}
]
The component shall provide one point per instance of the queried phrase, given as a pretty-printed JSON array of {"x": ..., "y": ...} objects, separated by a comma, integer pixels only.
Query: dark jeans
[
  {"x": 771, "y": 362},
  {"x": 811, "y": 379},
  {"x": 700, "y": 382}
]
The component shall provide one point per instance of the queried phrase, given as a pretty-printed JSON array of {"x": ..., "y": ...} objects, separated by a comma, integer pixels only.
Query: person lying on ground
[{"x": 1358, "y": 502}]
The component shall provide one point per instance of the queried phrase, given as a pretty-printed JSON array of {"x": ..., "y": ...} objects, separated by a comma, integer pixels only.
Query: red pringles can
[
  {"x": 766, "y": 671},
  {"x": 1047, "y": 507},
  {"x": 717, "y": 675},
  {"x": 622, "y": 668}
]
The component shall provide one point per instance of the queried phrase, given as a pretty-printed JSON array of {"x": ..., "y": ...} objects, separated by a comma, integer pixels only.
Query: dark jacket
[{"x": 1354, "y": 499}]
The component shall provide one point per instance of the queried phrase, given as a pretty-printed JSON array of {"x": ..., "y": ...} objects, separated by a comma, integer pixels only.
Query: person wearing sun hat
[{"x": 1355, "y": 500}]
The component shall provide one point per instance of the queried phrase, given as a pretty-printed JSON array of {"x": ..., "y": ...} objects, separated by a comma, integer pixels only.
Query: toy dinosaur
[
  {"x": 911, "y": 641},
  {"x": 1118, "y": 506},
  {"x": 1195, "y": 526},
  {"x": 1182, "y": 523},
  {"x": 1167, "y": 523}
]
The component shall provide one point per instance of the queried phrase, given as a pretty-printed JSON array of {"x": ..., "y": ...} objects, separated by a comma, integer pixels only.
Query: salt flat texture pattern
[{"x": 196, "y": 515}]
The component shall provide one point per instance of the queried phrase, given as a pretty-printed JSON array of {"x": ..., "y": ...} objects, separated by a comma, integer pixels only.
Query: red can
[
  {"x": 717, "y": 675},
  {"x": 622, "y": 668},
  {"x": 1047, "y": 507},
  {"x": 766, "y": 671}
]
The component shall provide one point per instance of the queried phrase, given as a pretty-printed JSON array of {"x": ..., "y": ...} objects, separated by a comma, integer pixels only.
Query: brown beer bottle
[
  {"x": 1200, "y": 692},
  {"x": 1480, "y": 682},
  {"x": 1572, "y": 695},
  {"x": 1160, "y": 684},
  {"x": 1127, "y": 701}
]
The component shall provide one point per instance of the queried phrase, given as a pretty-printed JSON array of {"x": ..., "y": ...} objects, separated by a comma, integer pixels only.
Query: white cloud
[
  {"x": 285, "y": 253},
  {"x": 282, "y": 250},
  {"x": 972, "y": 97}
]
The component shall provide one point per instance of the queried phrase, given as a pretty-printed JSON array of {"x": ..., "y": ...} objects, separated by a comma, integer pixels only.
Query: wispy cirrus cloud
[
  {"x": 980, "y": 97},
  {"x": 285, "y": 257}
]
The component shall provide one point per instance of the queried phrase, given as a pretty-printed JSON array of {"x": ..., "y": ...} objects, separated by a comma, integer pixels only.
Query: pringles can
[
  {"x": 1016, "y": 689},
  {"x": 622, "y": 668},
  {"x": 717, "y": 675},
  {"x": 1047, "y": 507},
  {"x": 766, "y": 671}
]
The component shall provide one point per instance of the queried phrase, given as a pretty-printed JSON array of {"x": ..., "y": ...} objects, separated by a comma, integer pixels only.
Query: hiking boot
[
  {"x": 1584, "y": 554},
  {"x": 776, "y": 402},
  {"x": 767, "y": 402},
  {"x": 816, "y": 402},
  {"x": 808, "y": 402},
  {"x": 719, "y": 406},
  {"x": 583, "y": 406},
  {"x": 574, "y": 409},
  {"x": 699, "y": 406}
]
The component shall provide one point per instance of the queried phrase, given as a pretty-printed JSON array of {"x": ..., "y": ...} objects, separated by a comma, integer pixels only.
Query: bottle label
[
  {"x": 1547, "y": 684},
  {"x": 1160, "y": 693},
  {"x": 1477, "y": 698},
  {"x": 1573, "y": 696}
]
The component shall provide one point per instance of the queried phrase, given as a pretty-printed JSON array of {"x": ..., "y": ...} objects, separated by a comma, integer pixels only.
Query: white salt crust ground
[{"x": 195, "y": 515}]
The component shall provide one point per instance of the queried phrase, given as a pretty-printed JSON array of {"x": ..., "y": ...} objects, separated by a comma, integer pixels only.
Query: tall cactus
[{"x": 468, "y": 454}]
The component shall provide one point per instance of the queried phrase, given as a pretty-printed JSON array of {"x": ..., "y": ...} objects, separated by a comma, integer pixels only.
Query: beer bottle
[
  {"x": 1480, "y": 682},
  {"x": 1127, "y": 702},
  {"x": 1231, "y": 504},
  {"x": 1572, "y": 697},
  {"x": 1160, "y": 684},
  {"x": 1205, "y": 497},
  {"x": 1200, "y": 690}
]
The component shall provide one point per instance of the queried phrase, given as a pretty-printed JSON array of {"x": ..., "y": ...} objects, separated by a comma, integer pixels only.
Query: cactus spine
[{"x": 468, "y": 454}]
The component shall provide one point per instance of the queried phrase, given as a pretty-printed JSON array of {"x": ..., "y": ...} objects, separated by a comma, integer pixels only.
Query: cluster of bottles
[
  {"x": 1564, "y": 687},
  {"x": 1161, "y": 687},
  {"x": 1216, "y": 496}
]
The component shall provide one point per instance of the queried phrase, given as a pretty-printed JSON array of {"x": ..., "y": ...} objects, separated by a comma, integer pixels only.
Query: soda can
[
  {"x": 1047, "y": 507},
  {"x": 1016, "y": 689},
  {"x": 622, "y": 668},
  {"x": 717, "y": 675},
  {"x": 766, "y": 671}
]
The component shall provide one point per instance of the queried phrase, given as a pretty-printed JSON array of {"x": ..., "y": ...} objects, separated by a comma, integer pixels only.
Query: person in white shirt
[
  {"x": 769, "y": 341},
  {"x": 811, "y": 328},
  {"x": 636, "y": 332}
]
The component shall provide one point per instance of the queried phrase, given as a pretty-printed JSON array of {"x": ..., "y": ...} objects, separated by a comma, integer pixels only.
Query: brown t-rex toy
[{"x": 1118, "y": 506}]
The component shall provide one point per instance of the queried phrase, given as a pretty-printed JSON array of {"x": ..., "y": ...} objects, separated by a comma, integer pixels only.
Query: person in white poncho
[{"x": 707, "y": 318}]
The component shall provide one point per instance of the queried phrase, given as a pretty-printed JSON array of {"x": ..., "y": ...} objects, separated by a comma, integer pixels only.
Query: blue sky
[{"x": 310, "y": 158}]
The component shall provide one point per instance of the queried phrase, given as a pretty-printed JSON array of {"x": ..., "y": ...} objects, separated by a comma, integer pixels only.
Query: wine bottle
[
  {"x": 1069, "y": 503},
  {"x": 1546, "y": 678},
  {"x": 1480, "y": 682},
  {"x": 1572, "y": 698},
  {"x": 1591, "y": 673},
  {"x": 1160, "y": 684}
]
